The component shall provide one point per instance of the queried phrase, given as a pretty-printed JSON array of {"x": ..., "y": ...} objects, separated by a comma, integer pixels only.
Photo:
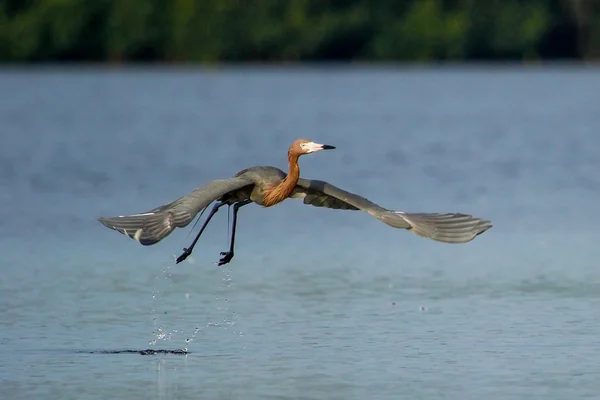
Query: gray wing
[
  {"x": 446, "y": 228},
  {"x": 152, "y": 226}
]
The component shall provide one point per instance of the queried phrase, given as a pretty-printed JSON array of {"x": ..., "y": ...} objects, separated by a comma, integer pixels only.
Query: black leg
[
  {"x": 188, "y": 250},
  {"x": 228, "y": 255}
]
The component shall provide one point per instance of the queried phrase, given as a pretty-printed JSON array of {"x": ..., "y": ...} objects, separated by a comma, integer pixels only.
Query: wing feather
[
  {"x": 151, "y": 227},
  {"x": 446, "y": 228}
]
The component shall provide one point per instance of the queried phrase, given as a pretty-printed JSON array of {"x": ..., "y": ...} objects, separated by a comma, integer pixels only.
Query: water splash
[
  {"x": 228, "y": 284},
  {"x": 159, "y": 332},
  {"x": 225, "y": 319},
  {"x": 229, "y": 318},
  {"x": 193, "y": 337}
]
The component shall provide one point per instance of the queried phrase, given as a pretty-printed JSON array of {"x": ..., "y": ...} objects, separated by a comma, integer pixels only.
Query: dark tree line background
[{"x": 176, "y": 31}]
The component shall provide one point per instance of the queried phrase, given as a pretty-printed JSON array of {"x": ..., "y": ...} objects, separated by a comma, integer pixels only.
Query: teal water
[{"x": 317, "y": 304}]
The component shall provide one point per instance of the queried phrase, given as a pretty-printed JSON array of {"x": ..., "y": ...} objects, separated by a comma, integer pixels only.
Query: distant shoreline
[{"x": 274, "y": 66}]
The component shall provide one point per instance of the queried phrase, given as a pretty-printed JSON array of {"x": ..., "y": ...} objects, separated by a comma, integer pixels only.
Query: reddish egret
[{"x": 267, "y": 186}]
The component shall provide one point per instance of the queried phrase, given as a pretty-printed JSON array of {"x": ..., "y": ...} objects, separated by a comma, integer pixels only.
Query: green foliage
[
  {"x": 290, "y": 30},
  {"x": 527, "y": 22},
  {"x": 425, "y": 32}
]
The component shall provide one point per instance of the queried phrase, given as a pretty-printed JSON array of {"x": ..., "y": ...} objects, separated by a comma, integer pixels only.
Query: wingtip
[
  {"x": 484, "y": 226},
  {"x": 103, "y": 220},
  {"x": 448, "y": 227}
]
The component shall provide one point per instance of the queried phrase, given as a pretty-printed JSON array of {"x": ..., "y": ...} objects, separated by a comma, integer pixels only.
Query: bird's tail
[
  {"x": 446, "y": 228},
  {"x": 147, "y": 228}
]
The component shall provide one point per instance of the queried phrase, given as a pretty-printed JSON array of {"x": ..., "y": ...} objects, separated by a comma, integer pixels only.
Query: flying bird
[{"x": 268, "y": 186}]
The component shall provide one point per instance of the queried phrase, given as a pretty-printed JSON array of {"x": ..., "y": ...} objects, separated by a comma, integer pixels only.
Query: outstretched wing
[
  {"x": 152, "y": 226},
  {"x": 447, "y": 228}
]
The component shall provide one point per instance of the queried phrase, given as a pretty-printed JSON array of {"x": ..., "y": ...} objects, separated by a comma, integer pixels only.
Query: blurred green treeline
[{"x": 297, "y": 30}]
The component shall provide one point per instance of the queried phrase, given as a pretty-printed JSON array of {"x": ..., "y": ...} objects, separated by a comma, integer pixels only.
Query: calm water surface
[{"x": 317, "y": 304}]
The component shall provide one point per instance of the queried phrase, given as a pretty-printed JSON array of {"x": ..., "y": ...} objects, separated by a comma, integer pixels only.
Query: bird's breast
[{"x": 258, "y": 193}]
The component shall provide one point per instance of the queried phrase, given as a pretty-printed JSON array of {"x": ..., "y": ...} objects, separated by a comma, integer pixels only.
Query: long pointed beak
[{"x": 311, "y": 147}]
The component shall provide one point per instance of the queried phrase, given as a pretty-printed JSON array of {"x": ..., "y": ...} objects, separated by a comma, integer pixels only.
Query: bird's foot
[
  {"x": 184, "y": 255},
  {"x": 227, "y": 256}
]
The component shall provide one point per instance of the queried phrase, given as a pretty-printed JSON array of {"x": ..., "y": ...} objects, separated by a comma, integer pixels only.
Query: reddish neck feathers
[{"x": 285, "y": 188}]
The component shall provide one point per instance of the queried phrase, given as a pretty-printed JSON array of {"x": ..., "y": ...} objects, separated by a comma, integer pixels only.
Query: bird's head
[{"x": 305, "y": 146}]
